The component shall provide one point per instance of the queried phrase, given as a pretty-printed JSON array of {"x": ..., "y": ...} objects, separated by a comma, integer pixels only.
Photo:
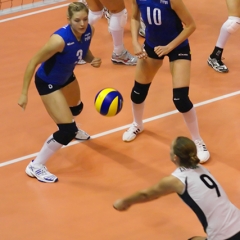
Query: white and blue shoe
[{"x": 40, "y": 172}]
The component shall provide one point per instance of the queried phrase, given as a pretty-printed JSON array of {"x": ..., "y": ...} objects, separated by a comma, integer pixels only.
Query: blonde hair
[
  {"x": 76, "y": 7},
  {"x": 186, "y": 150}
]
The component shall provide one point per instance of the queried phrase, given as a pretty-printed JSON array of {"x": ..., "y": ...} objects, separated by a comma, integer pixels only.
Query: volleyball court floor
[{"x": 93, "y": 174}]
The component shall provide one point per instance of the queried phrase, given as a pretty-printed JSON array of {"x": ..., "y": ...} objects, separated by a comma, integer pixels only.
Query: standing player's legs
[
  {"x": 180, "y": 70},
  {"x": 58, "y": 109},
  {"x": 145, "y": 71},
  {"x": 230, "y": 26},
  {"x": 73, "y": 98},
  {"x": 117, "y": 22}
]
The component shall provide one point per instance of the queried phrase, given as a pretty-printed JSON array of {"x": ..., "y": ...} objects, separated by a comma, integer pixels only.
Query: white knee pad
[
  {"x": 232, "y": 24},
  {"x": 118, "y": 20},
  {"x": 93, "y": 17}
]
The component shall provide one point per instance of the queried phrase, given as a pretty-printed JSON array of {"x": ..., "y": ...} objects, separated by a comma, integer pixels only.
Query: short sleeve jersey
[
  {"x": 60, "y": 66},
  {"x": 205, "y": 196},
  {"x": 162, "y": 23}
]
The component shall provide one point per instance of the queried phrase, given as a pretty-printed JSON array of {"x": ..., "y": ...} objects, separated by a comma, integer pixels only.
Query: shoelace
[
  {"x": 133, "y": 128},
  {"x": 42, "y": 171},
  {"x": 200, "y": 146},
  {"x": 82, "y": 133},
  {"x": 218, "y": 61},
  {"x": 129, "y": 56}
]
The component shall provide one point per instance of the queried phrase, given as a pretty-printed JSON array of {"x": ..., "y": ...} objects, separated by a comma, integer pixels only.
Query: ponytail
[{"x": 186, "y": 150}]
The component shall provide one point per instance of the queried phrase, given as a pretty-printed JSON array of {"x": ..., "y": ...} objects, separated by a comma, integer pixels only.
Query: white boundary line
[
  {"x": 32, "y": 13},
  {"x": 124, "y": 127}
]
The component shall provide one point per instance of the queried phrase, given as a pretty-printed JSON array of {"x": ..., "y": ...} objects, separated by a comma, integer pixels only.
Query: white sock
[
  {"x": 223, "y": 36},
  {"x": 191, "y": 121},
  {"x": 116, "y": 27},
  {"x": 137, "y": 110},
  {"x": 48, "y": 149}
]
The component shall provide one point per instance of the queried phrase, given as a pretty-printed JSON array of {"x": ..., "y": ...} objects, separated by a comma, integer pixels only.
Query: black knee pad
[
  {"x": 139, "y": 92},
  {"x": 76, "y": 110},
  {"x": 66, "y": 133},
  {"x": 181, "y": 99}
]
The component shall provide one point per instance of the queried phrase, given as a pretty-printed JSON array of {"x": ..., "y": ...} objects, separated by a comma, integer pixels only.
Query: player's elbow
[
  {"x": 193, "y": 26},
  {"x": 33, "y": 63},
  {"x": 190, "y": 29}
]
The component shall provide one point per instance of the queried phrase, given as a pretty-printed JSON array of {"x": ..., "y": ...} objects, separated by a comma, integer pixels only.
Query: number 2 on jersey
[
  {"x": 155, "y": 15},
  {"x": 206, "y": 180}
]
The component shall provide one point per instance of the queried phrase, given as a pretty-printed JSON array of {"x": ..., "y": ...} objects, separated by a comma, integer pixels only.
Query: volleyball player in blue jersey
[
  {"x": 58, "y": 86},
  {"x": 164, "y": 36},
  {"x": 198, "y": 188}
]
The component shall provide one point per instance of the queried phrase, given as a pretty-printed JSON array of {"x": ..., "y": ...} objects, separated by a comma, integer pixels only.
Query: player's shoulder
[
  {"x": 63, "y": 30},
  {"x": 65, "y": 33},
  {"x": 186, "y": 171}
]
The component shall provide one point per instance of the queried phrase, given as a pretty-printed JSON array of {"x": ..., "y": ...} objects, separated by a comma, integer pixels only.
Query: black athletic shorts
[
  {"x": 235, "y": 237},
  {"x": 45, "y": 88},
  {"x": 175, "y": 54}
]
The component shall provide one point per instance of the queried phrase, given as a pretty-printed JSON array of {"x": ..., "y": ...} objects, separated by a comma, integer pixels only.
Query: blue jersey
[
  {"x": 162, "y": 23},
  {"x": 60, "y": 66}
]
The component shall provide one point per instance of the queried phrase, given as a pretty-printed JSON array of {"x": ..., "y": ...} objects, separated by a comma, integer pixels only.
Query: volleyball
[{"x": 108, "y": 102}]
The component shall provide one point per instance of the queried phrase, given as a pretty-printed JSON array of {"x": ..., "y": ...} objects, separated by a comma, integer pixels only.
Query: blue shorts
[
  {"x": 175, "y": 54},
  {"x": 45, "y": 88}
]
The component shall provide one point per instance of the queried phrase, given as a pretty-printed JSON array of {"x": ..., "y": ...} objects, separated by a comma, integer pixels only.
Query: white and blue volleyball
[{"x": 108, "y": 102}]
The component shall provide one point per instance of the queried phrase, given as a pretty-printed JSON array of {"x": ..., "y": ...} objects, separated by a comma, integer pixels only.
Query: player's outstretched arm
[{"x": 166, "y": 186}]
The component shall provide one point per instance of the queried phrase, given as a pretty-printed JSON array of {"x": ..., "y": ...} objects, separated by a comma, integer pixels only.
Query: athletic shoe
[
  {"x": 41, "y": 173},
  {"x": 202, "y": 152},
  {"x": 81, "y": 135},
  {"x": 131, "y": 133},
  {"x": 217, "y": 65},
  {"x": 81, "y": 62},
  {"x": 125, "y": 58},
  {"x": 142, "y": 28}
]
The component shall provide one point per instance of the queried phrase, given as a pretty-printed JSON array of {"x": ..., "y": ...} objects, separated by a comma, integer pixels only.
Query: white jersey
[{"x": 205, "y": 196}]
